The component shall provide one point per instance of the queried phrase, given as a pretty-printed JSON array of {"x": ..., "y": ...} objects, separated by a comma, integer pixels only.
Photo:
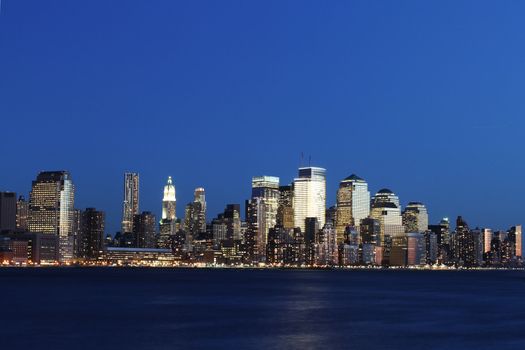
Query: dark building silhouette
[
  {"x": 144, "y": 234},
  {"x": 92, "y": 234},
  {"x": 7, "y": 211}
]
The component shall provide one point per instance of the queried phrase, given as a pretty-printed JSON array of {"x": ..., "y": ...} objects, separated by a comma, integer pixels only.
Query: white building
[
  {"x": 169, "y": 201},
  {"x": 309, "y": 196}
]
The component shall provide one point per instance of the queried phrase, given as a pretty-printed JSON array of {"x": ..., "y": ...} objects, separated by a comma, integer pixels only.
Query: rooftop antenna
[
  {"x": 302, "y": 155},
  {"x": 310, "y": 160}
]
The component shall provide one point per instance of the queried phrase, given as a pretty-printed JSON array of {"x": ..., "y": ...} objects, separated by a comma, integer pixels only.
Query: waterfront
[{"x": 140, "y": 308}]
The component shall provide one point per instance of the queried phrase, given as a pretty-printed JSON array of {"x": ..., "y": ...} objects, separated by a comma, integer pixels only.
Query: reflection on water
[{"x": 261, "y": 309}]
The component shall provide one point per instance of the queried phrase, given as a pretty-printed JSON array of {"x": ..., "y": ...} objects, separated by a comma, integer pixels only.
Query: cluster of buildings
[{"x": 282, "y": 225}]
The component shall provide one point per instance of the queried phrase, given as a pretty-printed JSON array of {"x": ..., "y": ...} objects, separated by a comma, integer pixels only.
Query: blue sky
[{"x": 423, "y": 97}]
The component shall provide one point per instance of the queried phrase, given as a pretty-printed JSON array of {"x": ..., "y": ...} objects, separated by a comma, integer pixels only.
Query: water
[{"x": 110, "y": 308}]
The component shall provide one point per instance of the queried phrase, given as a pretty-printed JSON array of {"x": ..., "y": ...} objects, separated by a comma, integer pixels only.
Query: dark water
[{"x": 103, "y": 308}]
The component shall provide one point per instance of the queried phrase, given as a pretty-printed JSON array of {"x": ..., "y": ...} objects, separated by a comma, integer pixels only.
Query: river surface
[{"x": 153, "y": 308}]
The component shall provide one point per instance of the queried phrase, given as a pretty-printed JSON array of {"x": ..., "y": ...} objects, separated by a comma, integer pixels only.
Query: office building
[
  {"x": 415, "y": 217},
  {"x": 309, "y": 196},
  {"x": 51, "y": 209},
  {"x": 353, "y": 204}
]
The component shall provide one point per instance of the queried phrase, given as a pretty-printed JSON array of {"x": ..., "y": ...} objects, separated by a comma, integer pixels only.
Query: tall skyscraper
[
  {"x": 130, "y": 205},
  {"x": 7, "y": 211},
  {"x": 353, "y": 204},
  {"x": 516, "y": 239},
  {"x": 51, "y": 209},
  {"x": 92, "y": 233},
  {"x": 265, "y": 188},
  {"x": 415, "y": 217},
  {"x": 167, "y": 225},
  {"x": 465, "y": 250},
  {"x": 309, "y": 196},
  {"x": 169, "y": 201},
  {"x": 22, "y": 213},
  {"x": 199, "y": 196}
]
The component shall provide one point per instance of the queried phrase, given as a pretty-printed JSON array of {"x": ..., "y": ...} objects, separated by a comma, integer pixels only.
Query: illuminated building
[
  {"x": 487, "y": 239},
  {"x": 169, "y": 201},
  {"x": 167, "y": 225},
  {"x": 353, "y": 204},
  {"x": 266, "y": 188},
  {"x": 415, "y": 217},
  {"x": 465, "y": 250},
  {"x": 7, "y": 211},
  {"x": 326, "y": 247},
  {"x": 51, "y": 209},
  {"x": 92, "y": 234},
  {"x": 285, "y": 207},
  {"x": 386, "y": 209},
  {"x": 22, "y": 214},
  {"x": 137, "y": 256},
  {"x": 254, "y": 239},
  {"x": 130, "y": 205},
  {"x": 416, "y": 249},
  {"x": 309, "y": 196},
  {"x": 195, "y": 217},
  {"x": 516, "y": 238},
  {"x": 442, "y": 232}
]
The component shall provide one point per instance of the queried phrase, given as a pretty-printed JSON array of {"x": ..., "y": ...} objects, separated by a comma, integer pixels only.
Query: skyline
[
  {"x": 210, "y": 215},
  {"x": 424, "y": 99}
]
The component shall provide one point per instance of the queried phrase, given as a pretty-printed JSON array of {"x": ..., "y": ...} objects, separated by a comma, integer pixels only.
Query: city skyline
[
  {"x": 213, "y": 95},
  {"x": 114, "y": 222}
]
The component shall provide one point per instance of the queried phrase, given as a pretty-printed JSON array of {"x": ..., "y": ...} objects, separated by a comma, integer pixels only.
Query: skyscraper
[
  {"x": 386, "y": 209},
  {"x": 51, "y": 209},
  {"x": 415, "y": 217},
  {"x": 169, "y": 201},
  {"x": 22, "y": 214},
  {"x": 465, "y": 250},
  {"x": 130, "y": 205},
  {"x": 309, "y": 196},
  {"x": 167, "y": 225},
  {"x": 353, "y": 204},
  {"x": 265, "y": 188},
  {"x": 7, "y": 211},
  {"x": 195, "y": 216}
]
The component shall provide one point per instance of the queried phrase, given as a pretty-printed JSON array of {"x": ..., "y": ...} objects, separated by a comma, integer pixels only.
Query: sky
[{"x": 425, "y": 98}]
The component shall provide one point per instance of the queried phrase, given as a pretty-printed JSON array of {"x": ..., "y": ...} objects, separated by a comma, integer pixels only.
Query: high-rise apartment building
[
  {"x": 130, "y": 205},
  {"x": 51, "y": 209},
  {"x": 353, "y": 204},
  {"x": 309, "y": 198},
  {"x": 415, "y": 217}
]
